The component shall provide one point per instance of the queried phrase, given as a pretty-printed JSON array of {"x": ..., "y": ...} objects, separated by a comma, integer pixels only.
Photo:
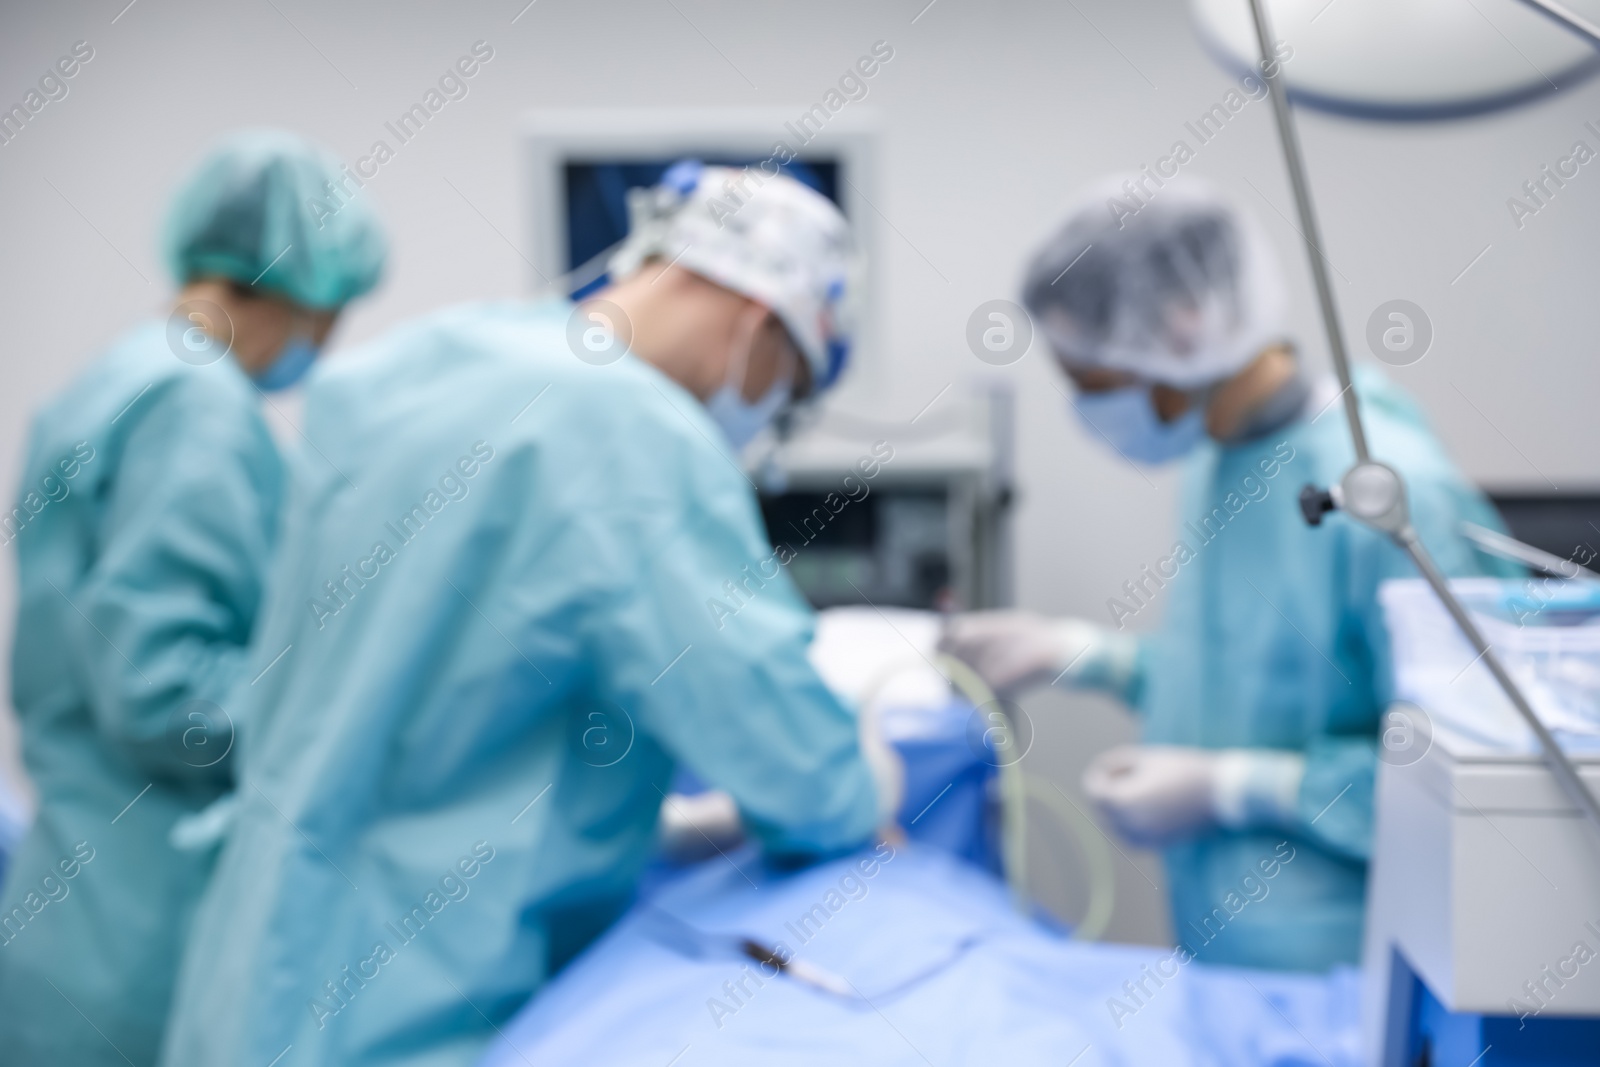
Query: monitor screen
[{"x": 595, "y": 198}]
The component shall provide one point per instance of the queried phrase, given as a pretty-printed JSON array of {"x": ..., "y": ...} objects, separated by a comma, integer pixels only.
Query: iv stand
[{"x": 1372, "y": 492}]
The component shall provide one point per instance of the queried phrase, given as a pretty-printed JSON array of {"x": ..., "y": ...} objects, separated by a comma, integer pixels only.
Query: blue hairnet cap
[{"x": 271, "y": 210}]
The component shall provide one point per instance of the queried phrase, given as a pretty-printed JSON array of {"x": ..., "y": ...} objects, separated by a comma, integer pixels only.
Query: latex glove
[
  {"x": 1157, "y": 795},
  {"x": 695, "y": 827},
  {"x": 1016, "y": 650},
  {"x": 1154, "y": 795},
  {"x": 888, "y": 770}
]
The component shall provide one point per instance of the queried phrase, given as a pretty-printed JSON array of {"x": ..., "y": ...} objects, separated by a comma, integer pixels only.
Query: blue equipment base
[{"x": 1438, "y": 1036}]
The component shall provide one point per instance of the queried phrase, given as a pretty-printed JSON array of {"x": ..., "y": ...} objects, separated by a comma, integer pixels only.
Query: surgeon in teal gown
[
  {"x": 1261, "y": 692},
  {"x": 491, "y": 640},
  {"x": 143, "y": 527},
  {"x": 1274, "y": 640}
]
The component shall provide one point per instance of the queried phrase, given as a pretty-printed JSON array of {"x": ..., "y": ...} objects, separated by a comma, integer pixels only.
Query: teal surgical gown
[
  {"x": 1274, "y": 638},
  {"x": 142, "y": 528},
  {"x": 499, "y": 622}
]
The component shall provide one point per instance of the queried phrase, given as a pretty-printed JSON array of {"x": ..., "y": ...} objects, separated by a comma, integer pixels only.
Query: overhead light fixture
[{"x": 1408, "y": 60}]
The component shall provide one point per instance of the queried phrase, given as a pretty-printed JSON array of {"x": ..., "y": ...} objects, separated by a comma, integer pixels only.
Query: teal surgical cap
[{"x": 271, "y": 210}]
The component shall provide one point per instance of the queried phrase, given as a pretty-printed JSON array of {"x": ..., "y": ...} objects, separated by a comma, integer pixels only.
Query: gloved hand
[
  {"x": 1157, "y": 795},
  {"x": 694, "y": 827},
  {"x": 1153, "y": 795},
  {"x": 1017, "y": 650},
  {"x": 888, "y": 770}
]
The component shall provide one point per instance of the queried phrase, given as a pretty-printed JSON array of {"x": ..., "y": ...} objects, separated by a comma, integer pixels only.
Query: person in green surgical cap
[
  {"x": 146, "y": 517},
  {"x": 1260, "y": 694}
]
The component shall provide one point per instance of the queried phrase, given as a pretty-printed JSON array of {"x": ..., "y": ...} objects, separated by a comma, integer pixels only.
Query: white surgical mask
[
  {"x": 1127, "y": 418},
  {"x": 741, "y": 419}
]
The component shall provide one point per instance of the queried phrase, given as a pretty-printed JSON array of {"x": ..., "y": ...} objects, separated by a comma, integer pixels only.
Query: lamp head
[{"x": 1407, "y": 60}]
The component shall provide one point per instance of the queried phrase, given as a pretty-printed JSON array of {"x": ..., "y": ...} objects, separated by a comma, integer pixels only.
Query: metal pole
[
  {"x": 1308, "y": 225},
  {"x": 1566, "y": 774},
  {"x": 1568, "y": 18},
  {"x": 1398, "y": 529},
  {"x": 1498, "y": 544}
]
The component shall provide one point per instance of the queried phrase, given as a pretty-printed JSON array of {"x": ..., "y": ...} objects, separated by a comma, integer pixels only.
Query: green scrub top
[{"x": 142, "y": 528}]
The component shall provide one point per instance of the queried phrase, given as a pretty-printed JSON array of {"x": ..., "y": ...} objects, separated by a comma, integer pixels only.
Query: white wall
[{"x": 995, "y": 112}]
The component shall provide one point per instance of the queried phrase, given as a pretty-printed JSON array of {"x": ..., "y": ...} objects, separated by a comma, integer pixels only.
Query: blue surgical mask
[
  {"x": 740, "y": 419},
  {"x": 1127, "y": 418},
  {"x": 295, "y": 359}
]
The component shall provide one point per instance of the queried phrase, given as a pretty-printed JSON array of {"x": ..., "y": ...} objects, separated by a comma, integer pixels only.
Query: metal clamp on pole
[{"x": 1315, "y": 503}]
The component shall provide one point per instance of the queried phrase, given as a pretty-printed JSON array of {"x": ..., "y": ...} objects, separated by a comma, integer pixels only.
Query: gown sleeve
[
  {"x": 1335, "y": 806},
  {"x": 707, "y": 645},
  {"x": 163, "y": 615}
]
